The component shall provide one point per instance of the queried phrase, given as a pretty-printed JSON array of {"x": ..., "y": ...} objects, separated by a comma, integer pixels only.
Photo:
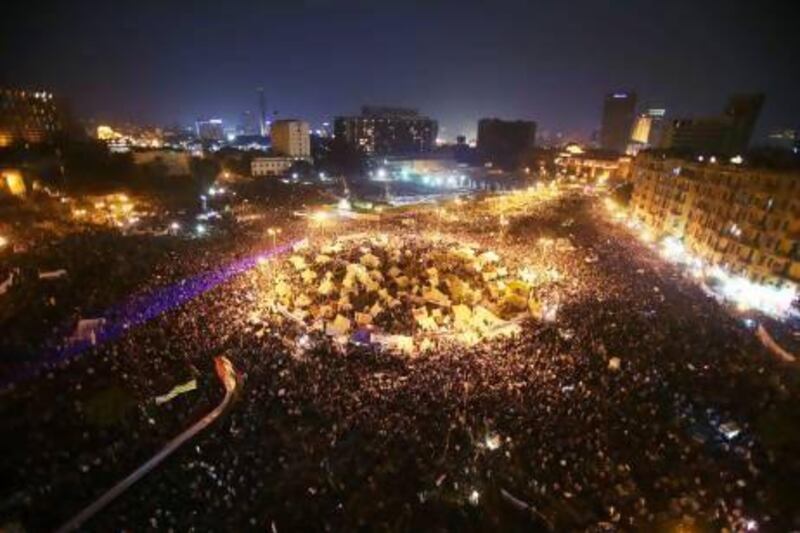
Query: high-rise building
[
  {"x": 726, "y": 134},
  {"x": 388, "y": 131},
  {"x": 263, "y": 125},
  {"x": 210, "y": 130},
  {"x": 291, "y": 138},
  {"x": 250, "y": 124},
  {"x": 505, "y": 142},
  {"x": 28, "y": 117},
  {"x": 742, "y": 113},
  {"x": 619, "y": 112},
  {"x": 647, "y": 130}
]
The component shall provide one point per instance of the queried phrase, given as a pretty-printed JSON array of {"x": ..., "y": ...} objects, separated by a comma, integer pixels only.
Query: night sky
[{"x": 165, "y": 62}]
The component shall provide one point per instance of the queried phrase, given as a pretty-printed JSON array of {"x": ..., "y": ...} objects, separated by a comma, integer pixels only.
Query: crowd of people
[{"x": 640, "y": 403}]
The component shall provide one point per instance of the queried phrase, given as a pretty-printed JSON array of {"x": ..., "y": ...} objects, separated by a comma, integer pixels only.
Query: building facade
[
  {"x": 725, "y": 134},
  {"x": 647, "y": 130},
  {"x": 742, "y": 219},
  {"x": 291, "y": 138},
  {"x": 271, "y": 166},
  {"x": 388, "y": 131},
  {"x": 619, "y": 113},
  {"x": 210, "y": 130},
  {"x": 505, "y": 143},
  {"x": 28, "y": 117}
]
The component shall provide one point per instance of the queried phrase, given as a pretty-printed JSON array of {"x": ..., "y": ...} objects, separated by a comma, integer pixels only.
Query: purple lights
[{"x": 140, "y": 309}]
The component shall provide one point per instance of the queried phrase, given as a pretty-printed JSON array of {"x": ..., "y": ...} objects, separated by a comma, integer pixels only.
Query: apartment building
[{"x": 743, "y": 219}]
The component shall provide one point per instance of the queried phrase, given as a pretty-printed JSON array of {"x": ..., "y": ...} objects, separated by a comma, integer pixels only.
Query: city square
[{"x": 398, "y": 266}]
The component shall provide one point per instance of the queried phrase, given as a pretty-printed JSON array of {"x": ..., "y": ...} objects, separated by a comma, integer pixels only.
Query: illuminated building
[
  {"x": 210, "y": 130},
  {"x": 742, "y": 219},
  {"x": 592, "y": 165},
  {"x": 647, "y": 130},
  {"x": 619, "y": 112},
  {"x": 388, "y": 131},
  {"x": 291, "y": 138},
  {"x": 263, "y": 122},
  {"x": 27, "y": 117},
  {"x": 271, "y": 166},
  {"x": 727, "y": 134},
  {"x": 505, "y": 142}
]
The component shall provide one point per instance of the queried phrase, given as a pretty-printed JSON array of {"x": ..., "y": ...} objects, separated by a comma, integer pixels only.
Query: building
[
  {"x": 647, "y": 130},
  {"x": 291, "y": 138},
  {"x": 28, "y": 117},
  {"x": 210, "y": 130},
  {"x": 726, "y": 134},
  {"x": 504, "y": 143},
  {"x": 743, "y": 219},
  {"x": 619, "y": 113},
  {"x": 271, "y": 166},
  {"x": 263, "y": 123},
  {"x": 388, "y": 131},
  {"x": 592, "y": 165},
  {"x": 250, "y": 124}
]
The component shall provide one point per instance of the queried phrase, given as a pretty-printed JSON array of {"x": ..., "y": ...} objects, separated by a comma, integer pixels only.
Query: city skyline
[{"x": 455, "y": 62}]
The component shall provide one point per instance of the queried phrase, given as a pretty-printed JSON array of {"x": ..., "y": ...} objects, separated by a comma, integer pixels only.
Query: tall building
[
  {"x": 742, "y": 114},
  {"x": 647, "y": 130},
  {"x": 263, "y": 126},
  {"x": 726, "y": 134},
  {"x": 388, "y": 131},
  {"x": 210, "y": 130},
  {"x": 28, "y": 117},
  {"x": 619, "y": 112},
  {"x": 505, "y": 142},
  {"x": 250, "y": 124},
  {"x": 744, "y": 219},
  {"x": 291, "y": 138}
]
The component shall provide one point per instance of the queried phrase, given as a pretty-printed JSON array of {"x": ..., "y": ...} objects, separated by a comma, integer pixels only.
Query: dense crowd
[{"x": 639, "y": 404}]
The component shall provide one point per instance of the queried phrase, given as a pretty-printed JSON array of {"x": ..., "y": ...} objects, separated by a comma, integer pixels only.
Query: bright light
[
  {"x": 344, "y": 204},
  {"x": 201, "y": 229},
  {"x": 748, "y": 295},
  {"x": 737, "y": 160},
  {"x": 320, "y": 216},
  {"x": 3, "y": 242},
  {"x": 493, "y": 441},
  {"x": 673, "y": 249},
  {"x": 474, "y": 497},
  {"x": 175, "y": 226},
  {"x": 382, "y": 173}
]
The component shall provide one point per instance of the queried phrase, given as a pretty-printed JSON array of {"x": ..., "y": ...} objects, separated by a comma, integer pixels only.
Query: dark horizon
[{"x": 455, "y": 62}]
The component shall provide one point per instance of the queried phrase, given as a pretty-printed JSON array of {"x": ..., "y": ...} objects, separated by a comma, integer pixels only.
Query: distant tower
[{"x": 262, "y": 117}]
